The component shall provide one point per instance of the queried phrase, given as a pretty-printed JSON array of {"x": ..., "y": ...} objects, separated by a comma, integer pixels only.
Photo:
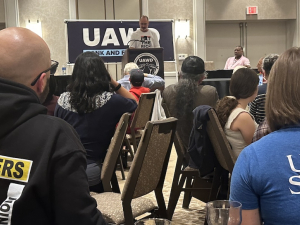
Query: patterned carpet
[{"x": 196, "y": 212}]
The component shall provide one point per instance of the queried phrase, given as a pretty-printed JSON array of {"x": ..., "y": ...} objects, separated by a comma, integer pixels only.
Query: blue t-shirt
[{"x": 267, "y": 176}]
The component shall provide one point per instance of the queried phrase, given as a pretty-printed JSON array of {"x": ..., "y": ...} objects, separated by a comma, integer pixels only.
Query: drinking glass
[
  {"x": 153, "y": 221},
  {"x": 223, "y": 212}
]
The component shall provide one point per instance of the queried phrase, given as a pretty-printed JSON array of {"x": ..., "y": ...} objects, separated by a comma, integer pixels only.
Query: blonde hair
[
  {"x": 129, "y": 66},
  {"x": 237, "y": 68},
  {"x": 283, "y": 93}
]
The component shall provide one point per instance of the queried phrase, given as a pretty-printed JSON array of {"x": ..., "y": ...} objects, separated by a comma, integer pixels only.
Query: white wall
[
  {"x": 2, "y": 12},
  {"x": 236, "y": 9},
  {"x": 52, "y": 15},
  {"x": 263, "y": 38}
]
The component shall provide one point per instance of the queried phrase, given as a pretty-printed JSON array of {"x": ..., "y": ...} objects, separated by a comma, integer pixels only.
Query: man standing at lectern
[{"x": 143, "y": 37}]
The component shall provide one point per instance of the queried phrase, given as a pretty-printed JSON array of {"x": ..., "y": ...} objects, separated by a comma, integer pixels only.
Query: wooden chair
[
  {"x": 108, "y": 176},
  {"x": 142, "y": 115},
  {"x": 147, "y": 174},
  {"x": 204, "y": 189},
  {"x": 220, "y": 143}
]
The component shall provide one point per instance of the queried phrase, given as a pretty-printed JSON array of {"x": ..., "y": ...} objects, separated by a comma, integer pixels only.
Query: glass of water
[{"x": 223, "y": 212}]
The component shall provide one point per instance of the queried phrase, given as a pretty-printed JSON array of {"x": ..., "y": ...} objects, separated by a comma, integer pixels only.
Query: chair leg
[
  {"x": 129, "y": 220},
  {"x": 134, "y": 144},
  {"x": 128, "y": 146},
  {"x": 122, "y": 168},
  {"x": 162, "y": 210},
  {"x": 216, "y": 183},
  {"x": 115, "y": 184},
  {"x": 187, "y": 194},
  {"x": 174, "y": 196}
]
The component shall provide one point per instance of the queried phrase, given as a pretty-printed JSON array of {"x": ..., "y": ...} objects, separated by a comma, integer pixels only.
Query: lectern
[{"x": 150, "y": 60}]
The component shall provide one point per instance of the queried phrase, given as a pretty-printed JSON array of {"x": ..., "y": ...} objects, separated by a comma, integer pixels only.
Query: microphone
[{"x": 134, "y": 40}]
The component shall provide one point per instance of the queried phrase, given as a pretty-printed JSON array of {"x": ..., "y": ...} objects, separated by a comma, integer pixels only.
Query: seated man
[
  {"x": 182, "y": 98},
  {"x": 42, "y": 161},
  {"x": 237, "y": 60},
  {"x": 136, "y": 81},
  {"x": 151, "y": 81}
]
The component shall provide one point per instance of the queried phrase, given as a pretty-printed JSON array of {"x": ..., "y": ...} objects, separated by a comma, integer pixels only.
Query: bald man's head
[{"x": 23, "y": 55}]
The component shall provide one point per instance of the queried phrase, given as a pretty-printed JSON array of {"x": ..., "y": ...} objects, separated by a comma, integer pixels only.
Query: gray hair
[
  {"x": 129, "y": 66},
  {"x": 268, "y": 62}
]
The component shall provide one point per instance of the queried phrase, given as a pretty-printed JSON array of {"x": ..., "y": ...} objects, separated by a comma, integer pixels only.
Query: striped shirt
[{"x": 257, "y": 108}]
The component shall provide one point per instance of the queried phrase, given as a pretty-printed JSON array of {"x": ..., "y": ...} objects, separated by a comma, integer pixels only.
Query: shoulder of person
[
  {"x": 243, "y": 117},
  {"x": 169, "y": 89},
  {"x": 60, "y": 133},
  {"x": 117, "y": 99},
  {"x": 209, "y": 88}
]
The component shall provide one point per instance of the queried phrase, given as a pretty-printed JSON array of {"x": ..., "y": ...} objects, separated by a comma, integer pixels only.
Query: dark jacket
[
  {"x": 42, "y": 165},
  {"x": 201, "y": 152}
]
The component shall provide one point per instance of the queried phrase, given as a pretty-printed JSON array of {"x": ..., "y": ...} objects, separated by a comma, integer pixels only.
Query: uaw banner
[{"x": 110, "y": 39}]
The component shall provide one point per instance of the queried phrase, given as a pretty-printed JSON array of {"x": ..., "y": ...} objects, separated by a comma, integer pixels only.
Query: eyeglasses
[{"x": 52, "y": 69}]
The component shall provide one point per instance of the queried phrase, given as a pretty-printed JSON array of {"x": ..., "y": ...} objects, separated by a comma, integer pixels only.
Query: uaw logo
[{"x": 148, "y": 63}]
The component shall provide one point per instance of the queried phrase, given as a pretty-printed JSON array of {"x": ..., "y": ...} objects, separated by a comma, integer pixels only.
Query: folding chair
[{"x": 147, "y": 174}]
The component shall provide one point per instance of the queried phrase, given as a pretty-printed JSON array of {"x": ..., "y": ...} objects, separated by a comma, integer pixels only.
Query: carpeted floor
[{"x": 196, "y": 212}]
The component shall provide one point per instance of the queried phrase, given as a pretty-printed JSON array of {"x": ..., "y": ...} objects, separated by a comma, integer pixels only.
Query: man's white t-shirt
[{"x": 149, "y": 39}]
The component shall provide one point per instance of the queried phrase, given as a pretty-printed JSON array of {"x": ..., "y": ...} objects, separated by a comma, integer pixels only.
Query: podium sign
[{"x": 149, "y": 60}]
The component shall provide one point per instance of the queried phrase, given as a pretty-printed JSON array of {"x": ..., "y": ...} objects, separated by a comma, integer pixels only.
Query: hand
[{"x": 145, "y": 74}]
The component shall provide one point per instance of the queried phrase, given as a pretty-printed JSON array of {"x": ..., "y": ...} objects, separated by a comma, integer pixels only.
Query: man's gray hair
[{"x": 129, "y": 66}]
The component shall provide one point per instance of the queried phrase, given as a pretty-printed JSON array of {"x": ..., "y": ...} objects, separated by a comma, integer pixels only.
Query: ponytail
[{"x": 224, "y": 108}]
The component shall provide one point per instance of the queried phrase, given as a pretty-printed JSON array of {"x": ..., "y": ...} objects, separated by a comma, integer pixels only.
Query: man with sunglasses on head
[{"x": 42, "y": 161}]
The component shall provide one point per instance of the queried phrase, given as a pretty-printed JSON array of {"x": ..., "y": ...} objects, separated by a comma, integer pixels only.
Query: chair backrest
[
  {"x": 143, "y": 113},
  {"x": 149, "y": 166},
  {"x": 219, "y": 141},
  {"x": 180, "y": 149},
  {"x": 112, "y": 155}
]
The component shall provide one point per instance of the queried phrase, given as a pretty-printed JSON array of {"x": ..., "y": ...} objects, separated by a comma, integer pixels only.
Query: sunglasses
[{"x": 52, "y": 70}]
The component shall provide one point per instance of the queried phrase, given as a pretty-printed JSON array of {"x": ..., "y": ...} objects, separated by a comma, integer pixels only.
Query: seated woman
[
  {"x": 266, "y": 177},
  {"x": 239, "y": 125},
  {"x": 93, "y": 110}
]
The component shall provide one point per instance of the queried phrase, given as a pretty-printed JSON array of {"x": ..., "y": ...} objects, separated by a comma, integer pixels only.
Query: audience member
[
  {"x": 261, "y": 131},
  {"x": 260, "y": 71},
  {"x": 93, "y": 110},
  {"x": 136, "y": 81},
  {"x": 150, "y": 81},
  {"x": 266, "y": 174},
  {"x": 51, "y": 99},
  {"x": 237, "y": 60},
  {"x": 237, "y": 68},
  {"x": 43, "y": 163},
  {"x": 239, "y": 125},
  {"x": 257, "y": 107},
  {"x": 182, "y": 98}
]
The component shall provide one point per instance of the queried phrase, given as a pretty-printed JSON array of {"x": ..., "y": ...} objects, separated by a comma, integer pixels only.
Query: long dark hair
[
  {"x": 243, "y": 84},
  {"x": 186, "y": 89},
  {"x": 89, "y": 79}
]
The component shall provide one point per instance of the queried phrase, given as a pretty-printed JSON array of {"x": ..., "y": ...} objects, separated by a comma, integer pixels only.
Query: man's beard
[{"x": 44, "y": 94}]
